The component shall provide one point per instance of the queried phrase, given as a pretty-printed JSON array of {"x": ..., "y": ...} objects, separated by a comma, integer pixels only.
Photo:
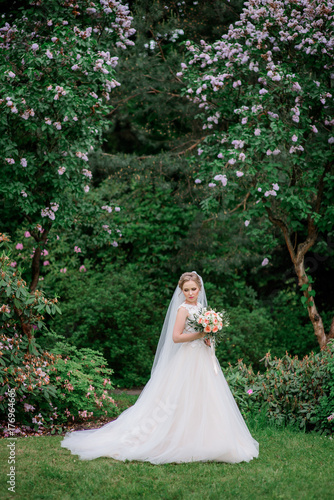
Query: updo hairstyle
[{"x": 189, "y": 277}]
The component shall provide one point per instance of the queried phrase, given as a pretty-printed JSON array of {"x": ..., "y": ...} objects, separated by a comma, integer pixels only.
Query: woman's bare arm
[{"x": 180, "y": 321}]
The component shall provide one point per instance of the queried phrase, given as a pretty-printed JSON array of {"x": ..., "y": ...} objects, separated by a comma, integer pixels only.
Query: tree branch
[
  {"x": 156, "y": 91},
  {"x": 173, "y": 154},
  {"x": 331, "y": 330},
  {"x": 311, "y": 227},
  {"x": 279, "y": 223},
  {"x": 122, "y": 101},
  {"x": 303, "y": 248},
  {"x": 241, "y": 204}
]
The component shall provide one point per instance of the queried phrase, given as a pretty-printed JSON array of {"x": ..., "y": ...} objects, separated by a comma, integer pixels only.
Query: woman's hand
[{"x": 207, "y": 342}]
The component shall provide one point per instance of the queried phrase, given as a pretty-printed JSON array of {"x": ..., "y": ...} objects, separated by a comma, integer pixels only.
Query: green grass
[
  {"x": 124, "y": 400},
  {"x": 291, "y": 465}
]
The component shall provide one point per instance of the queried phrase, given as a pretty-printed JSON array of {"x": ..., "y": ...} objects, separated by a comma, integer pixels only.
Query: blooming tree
[
  {"x": 57, "y": 73},
  {"x": 265, "y": 95}
]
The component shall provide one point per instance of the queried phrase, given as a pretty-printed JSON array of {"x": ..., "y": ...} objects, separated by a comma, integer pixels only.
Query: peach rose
[
  {"x": 207, "y": 329},
  {"x": 199, "y": 321},
  {"x": 215, "y": 329}
]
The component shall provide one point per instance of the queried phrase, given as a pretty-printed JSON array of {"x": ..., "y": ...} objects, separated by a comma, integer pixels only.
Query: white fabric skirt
[{"x": 185, "y": 413}]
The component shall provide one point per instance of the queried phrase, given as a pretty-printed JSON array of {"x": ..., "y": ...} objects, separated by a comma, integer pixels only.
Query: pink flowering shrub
[
  {"x": 291, "y": 391},
  {"x": 29, "y": 375},
  {"x": 20, "y": 309},
  {"x": 83, "y": 384},
  {"x": 51, "y": 388}
]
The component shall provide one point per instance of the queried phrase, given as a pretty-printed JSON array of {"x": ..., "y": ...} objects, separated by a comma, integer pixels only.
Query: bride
[{"x": 186, "y": 412}]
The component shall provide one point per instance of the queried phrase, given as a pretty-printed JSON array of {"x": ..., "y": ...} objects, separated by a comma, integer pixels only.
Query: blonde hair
[{"x": 189, "y": 277}]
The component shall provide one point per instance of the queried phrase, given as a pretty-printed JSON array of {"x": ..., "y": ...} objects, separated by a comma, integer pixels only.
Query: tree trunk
[
  {"x": 26, "y": 327},
  {"x": 35, "y": 268},
  {"x": 298, "y": 262},
  {"x": 314, "y": 316}
]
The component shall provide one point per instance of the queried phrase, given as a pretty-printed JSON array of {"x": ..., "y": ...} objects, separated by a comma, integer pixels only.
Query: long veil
[{"x": 167, "y": 348}]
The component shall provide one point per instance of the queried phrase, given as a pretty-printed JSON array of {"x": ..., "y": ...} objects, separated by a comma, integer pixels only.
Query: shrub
[
  {"x": 35, "y": 377},
  {"x": 83, "y": 383},
  {"x": 122, "y": 319},
  {"x": 290, "y": 316},
  {"x": 21, "y": 310},
  {"x": 249, "y": 335},
  {"x": 51, "y": 389},
  {"x": 291, "y": 390}
]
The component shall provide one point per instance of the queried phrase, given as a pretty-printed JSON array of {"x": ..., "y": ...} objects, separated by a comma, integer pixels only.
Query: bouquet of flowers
[{"x": 210, "y": 322}]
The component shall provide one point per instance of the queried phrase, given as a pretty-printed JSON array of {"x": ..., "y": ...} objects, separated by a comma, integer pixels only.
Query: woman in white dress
[{"x": 186, "y": 411}]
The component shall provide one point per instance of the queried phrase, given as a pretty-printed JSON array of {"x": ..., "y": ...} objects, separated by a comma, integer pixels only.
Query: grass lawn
[{"x": 291, "y": 465}]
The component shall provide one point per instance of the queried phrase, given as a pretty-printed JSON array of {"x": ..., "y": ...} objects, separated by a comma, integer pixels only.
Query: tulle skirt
[{"x": 186, "y": 413}]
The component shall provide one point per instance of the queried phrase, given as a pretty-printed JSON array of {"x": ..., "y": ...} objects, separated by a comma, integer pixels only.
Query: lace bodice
[{"x": 192, "y": 309}]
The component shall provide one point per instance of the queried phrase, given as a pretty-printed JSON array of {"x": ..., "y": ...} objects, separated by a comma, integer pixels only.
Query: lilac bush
[
  {"x": 265, "y": 95},
  {"x": 57, "y": 71}
]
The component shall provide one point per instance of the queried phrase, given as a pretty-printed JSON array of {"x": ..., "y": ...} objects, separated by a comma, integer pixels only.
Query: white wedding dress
[{"x": 185, "y": 413}]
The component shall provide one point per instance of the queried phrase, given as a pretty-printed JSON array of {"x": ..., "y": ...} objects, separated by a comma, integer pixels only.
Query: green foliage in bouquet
[{"x": 291, "y": 391}]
